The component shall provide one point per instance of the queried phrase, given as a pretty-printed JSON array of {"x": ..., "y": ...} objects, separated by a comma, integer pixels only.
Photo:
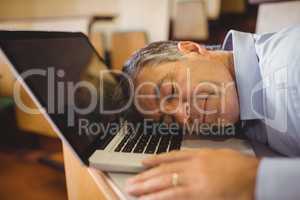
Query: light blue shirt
[{"x": 267, "y": 69}]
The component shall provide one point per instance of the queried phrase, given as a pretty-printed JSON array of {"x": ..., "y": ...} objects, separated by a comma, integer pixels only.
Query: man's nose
[{"x": 183, "y": 113}]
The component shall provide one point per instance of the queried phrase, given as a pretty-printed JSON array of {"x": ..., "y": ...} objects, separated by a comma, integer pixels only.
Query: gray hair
[
  {"x": 151, "y": 55},
  {"x": 154, "y": 54}
]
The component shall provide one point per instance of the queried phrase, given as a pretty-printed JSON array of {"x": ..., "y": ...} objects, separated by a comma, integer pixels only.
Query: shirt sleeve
[{"x": 278, "y": 179}]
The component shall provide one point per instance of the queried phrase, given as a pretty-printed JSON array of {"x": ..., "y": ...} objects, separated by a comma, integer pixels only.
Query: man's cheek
[{"x": 211, "y": 113}]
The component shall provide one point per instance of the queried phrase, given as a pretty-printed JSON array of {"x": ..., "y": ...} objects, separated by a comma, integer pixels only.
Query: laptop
[{"x": 80, "y": 97}]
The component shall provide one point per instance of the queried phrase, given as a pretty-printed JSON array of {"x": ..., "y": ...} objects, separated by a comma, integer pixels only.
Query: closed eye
[
  {"x": 172, "y": 93},
  {"x": 168, "y": 91},
  {"x": 207, "y": 95}
]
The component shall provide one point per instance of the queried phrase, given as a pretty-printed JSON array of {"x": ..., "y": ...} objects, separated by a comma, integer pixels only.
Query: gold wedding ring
[{"x": 175, "y": 179}]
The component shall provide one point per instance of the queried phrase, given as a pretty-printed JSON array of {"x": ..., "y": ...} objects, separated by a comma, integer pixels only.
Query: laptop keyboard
[{"x": 147, "y": 143}]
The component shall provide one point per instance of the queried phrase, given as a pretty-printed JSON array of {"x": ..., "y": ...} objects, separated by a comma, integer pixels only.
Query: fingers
[
  {"x": 167, "y": 157},
  {"x": 178, "y": 193},
  {"x": 157, "y": 171},
  {"x": 151, "y": 185}
]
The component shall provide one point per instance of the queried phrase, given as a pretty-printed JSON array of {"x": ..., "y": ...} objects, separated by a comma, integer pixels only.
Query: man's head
[{"x": 184, "y": 82}]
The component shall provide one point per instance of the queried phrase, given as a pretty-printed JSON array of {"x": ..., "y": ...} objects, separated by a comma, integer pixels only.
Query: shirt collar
[{"x": 247, "y": 73}]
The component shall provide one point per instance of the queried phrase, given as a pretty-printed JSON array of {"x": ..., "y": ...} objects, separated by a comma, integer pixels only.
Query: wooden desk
[{"x": 86, "y": 183}]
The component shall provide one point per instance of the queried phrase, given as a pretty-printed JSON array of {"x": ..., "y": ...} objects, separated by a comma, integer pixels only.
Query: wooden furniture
[
  {"x": 275, "y": 16},
  {"x": 97, "y": 40},
  {"x": 233, "y": 6},
  {"x": 6, "y": 80},
  {"x": 151, "y": 16},
  {"x": 190, "y": 20},
  {"x": 33, "y": 123},
  {"x": 85, "y": 183},
  {"x": 124, "y": 44}
]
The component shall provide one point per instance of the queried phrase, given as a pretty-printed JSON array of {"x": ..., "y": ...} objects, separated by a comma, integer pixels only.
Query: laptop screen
[{"x": 69, "y": 80}]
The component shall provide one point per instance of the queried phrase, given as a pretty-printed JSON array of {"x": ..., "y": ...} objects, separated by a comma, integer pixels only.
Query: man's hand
[{"x": 202, "y": 174}]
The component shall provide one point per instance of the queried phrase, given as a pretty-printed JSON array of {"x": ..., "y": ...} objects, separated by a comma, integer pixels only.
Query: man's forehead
[
  {"x": 147, "y": 84},
  {"x": 146, "y": 100},
  {"x": 145, "y": 94},
  {"x": 149, "y": 76}
]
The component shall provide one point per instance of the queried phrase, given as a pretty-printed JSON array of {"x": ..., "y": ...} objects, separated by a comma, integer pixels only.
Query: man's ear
[{"x": 189, "y": 47}]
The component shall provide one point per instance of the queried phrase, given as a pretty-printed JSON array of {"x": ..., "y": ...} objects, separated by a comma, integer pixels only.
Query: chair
[
  {"x": 274, "y": 16},
  {"x": 190, "y": 20},
  {"x": 151, "y": 16},
  {"x": 97, "y": 40},
  {"x": 124, "y": 44},
  {"x": 233, "y": 6}
]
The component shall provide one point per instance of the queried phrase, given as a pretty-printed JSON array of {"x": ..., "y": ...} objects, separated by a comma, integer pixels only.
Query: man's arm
[
  {"x": 278, "y": 179},
  {"x": 204, "y": 174}
]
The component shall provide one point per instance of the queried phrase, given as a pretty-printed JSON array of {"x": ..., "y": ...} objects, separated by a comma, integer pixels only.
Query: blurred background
[{"x": 31, "y": 159}]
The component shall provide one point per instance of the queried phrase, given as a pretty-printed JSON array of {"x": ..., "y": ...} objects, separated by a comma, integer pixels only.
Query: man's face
[{"x": 198, "y": 88}]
